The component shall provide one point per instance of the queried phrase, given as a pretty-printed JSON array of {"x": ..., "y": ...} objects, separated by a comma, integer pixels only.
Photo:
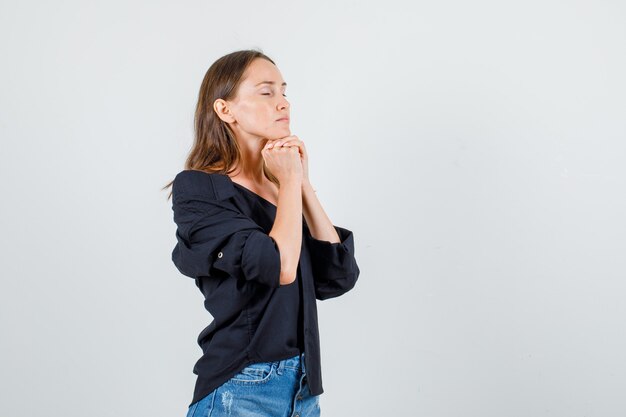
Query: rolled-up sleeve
[
  {"x": 214, "y": 239},
  {"x": 334, "y": 266}
]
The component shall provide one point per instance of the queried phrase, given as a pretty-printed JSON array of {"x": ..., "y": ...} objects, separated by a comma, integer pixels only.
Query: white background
[{"x": 475, "y": 149}]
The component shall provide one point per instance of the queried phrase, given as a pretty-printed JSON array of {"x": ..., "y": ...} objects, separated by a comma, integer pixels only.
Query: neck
[{"x": 250, "y": 165}]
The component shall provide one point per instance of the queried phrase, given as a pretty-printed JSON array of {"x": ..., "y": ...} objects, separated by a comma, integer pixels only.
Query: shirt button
[{"x": 219, "y": 255}]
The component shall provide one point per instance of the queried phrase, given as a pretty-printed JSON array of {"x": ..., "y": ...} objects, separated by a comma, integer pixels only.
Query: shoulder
[{"x": 199, "y": 183}]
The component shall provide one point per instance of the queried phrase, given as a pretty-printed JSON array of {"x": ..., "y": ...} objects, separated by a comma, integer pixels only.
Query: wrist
[
  {"x": 306, "y": 186},
  {"x": 290, "y": 183}
]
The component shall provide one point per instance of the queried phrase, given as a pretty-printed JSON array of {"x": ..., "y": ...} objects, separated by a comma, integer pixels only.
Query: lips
[{"x": 283, "y": 119}]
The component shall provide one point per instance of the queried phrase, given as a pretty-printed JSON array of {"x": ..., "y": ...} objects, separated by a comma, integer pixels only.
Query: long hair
[{"x": 214, "y": 148}]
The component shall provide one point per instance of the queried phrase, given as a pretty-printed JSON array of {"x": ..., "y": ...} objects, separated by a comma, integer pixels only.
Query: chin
[{"x": 279, "y": 135}]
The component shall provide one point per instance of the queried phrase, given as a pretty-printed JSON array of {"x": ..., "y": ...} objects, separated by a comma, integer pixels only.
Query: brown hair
[{"x": 215, "y": 148}]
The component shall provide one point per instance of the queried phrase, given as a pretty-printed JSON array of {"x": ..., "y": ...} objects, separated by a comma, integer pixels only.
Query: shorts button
[{"x": 299, "y": 397}]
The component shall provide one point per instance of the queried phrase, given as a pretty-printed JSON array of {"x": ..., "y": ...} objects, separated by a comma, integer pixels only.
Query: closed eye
[{"x": 267, "y": 94}]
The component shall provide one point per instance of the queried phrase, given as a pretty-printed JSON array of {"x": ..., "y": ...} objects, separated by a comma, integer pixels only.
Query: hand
[
  {"x": 283, "y": 161},
  {"x": 289, "y": 141}
]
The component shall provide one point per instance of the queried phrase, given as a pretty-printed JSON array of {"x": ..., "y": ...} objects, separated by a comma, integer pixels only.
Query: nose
[{"x": 283, "y": 104}]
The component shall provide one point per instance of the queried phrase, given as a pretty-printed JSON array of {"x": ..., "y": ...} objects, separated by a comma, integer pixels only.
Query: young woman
[{"x": 254, "y": 236}]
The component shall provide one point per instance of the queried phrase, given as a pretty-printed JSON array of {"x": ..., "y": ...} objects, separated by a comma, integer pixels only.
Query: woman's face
[{"x": 260, "y": 103}]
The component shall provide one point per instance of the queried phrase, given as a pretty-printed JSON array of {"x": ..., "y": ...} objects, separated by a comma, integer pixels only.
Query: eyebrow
[{"x": 269, "y": 82}]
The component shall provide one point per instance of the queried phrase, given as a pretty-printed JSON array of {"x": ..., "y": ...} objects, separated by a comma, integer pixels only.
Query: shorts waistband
[{"x": 295, "y": 362}]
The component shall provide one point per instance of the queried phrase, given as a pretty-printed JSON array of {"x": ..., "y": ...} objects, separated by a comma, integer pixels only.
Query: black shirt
[{"x": 223, "y": 243}]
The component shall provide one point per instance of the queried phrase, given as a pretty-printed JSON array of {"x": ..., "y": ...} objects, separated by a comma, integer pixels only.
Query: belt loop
[{"x": 280, "y": 367}]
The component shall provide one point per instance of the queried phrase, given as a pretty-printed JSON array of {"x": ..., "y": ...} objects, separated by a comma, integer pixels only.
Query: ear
[{"x": 222, "y": 109}]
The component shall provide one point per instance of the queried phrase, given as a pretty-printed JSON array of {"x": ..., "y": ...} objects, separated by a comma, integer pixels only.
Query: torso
[{"x": 268, "y": 192}]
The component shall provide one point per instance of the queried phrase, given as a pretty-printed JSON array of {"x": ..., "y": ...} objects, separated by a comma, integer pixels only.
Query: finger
[
  {"x": 271, "y": 143},
  {"x": 282, "y": 142},
  {"x": 293, "y": 142}
]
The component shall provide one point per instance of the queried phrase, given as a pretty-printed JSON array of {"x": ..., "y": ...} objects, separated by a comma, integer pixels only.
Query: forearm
[
  {"x": 319, "y": 224},
  {"x": 287, "y": 229}
]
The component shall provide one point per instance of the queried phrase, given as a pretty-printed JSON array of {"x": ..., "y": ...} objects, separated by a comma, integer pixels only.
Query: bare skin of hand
[
  {"x": 284, "y": 162},
  {"x": 319, "y": 224},
  {"x": 289, "y": 141}
]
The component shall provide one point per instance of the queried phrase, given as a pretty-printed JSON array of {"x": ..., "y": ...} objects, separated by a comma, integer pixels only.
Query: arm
[
  {"x": 319, "y": 224},
  {"x": 287, "y": 229},
  {"x": 335, "y": 270},
  {"x": 215, "y": 240}
]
